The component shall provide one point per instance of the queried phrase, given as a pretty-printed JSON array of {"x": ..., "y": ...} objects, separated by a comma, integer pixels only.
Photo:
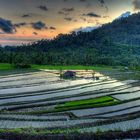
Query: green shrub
[{"x": 22, "y": 65}]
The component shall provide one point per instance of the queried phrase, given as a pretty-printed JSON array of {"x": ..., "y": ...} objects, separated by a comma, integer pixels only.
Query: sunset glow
[{"x": 31, "y": 20}]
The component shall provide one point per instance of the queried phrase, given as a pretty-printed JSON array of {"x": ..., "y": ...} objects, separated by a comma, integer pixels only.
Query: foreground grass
[
  {"x": 66, "y": 134},
  {"x": 34, "y": 131}
]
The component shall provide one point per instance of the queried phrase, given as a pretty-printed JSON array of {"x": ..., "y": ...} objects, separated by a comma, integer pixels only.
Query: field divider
[{"x": 63, "y": 97}]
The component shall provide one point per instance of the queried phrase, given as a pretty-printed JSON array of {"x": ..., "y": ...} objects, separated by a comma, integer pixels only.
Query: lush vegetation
[
  {"x": 116, "y": 43},
  {"x": 82, "y": 104},
  {"x": 95, "y": 101},
  {"x": 6, "y": 66},
  {"x": 73, "y": 67},
  {"x": 65, "y": 134}
]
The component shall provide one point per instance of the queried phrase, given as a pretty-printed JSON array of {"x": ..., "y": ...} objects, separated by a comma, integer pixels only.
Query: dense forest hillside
[{"x": 116, "y": 43}]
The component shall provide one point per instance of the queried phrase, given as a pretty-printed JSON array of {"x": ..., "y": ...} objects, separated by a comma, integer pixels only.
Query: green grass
[
  {"x": 89, "y": 103},
  {"x": 86, "y": 102},
  {"x": 5, "y": 66},
  {"x": 82, "y": 104},
  {"x": 8, "y": 69},
  {"x": 72, "y": 67}
]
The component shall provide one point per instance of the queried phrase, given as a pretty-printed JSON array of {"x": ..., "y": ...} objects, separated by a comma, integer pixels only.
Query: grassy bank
[
  {"x": 68, "y": 134},
  {"x": 6, "y": 66},
  {"x": 78, "y": 67},
  {"x": 81, "y": 104},
  {"x": 88, "y": 102}
]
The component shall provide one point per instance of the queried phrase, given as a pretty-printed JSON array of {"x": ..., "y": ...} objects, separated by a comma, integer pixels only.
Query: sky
[{"x": 24, "y": 21}]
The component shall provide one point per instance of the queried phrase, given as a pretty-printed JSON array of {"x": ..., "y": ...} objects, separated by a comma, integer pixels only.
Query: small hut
[
  {"x": 97, "y": 78},
  {"x": 69, "y": 75},
  {"x": 126, "y": 68}
]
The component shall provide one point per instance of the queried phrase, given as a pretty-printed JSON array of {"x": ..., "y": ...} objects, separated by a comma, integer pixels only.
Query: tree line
[{"x": 115, "y": 43}]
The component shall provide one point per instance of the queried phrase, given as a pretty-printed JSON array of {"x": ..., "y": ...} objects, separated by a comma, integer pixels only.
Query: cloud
[
  {"x": 68, "y": 18},
  {"x": 42, "y": 7},
  {"x": 92, "y": 14},
  {"x": 35, "y": 33},
  {"x": 63, "y": 13},
  {"x": 136, "y": 4},
  {"x": 18, "y": 25},
  {"x": 52, "y": 28},
  {"x": 106, "y": 17},
  {"x": 88, "y": 3},
  {"x": 39, "y": 25},
  {"x": 26, "y": 16},
  {"x": 85, "y": 29},
  {"x": 36, "y": 15},
  {"x": 68, "y": 9},
  {"x": 102, "y": 1},
  {"x": 84, "y": 19},
  {"x": 82, "y": 0},
  {"x": 6, "y": 26}
]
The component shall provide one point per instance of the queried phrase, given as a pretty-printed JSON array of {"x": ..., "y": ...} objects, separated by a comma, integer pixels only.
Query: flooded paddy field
[{"x": 41, "y": 99}]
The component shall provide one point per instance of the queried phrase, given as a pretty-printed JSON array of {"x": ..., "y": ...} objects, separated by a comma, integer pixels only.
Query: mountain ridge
[{"x": 116, "y": 43}]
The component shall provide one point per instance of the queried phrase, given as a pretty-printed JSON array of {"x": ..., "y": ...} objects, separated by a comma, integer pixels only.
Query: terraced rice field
[{"x": 43, "y": 100}]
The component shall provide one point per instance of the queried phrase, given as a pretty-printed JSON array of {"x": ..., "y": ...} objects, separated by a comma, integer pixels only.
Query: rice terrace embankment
[{"x": 40, "y": 102}]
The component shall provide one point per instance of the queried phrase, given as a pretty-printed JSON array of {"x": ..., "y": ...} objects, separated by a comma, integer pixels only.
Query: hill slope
[{"x": 115, "y": 43}]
